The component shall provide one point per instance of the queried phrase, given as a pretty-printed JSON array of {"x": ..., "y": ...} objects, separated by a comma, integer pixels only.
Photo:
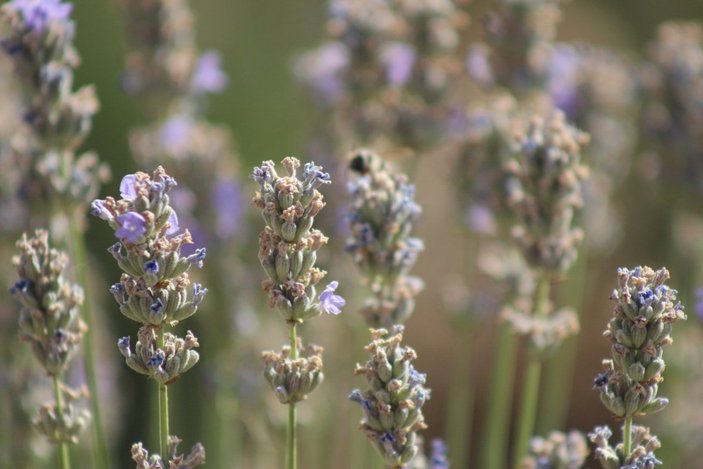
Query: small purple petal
[
  {"x": 208, "y": 76},
  {"x": 97, "y": 208},
  {"x": 132, "y": 227},
  {"x": 329, "y": 302},
  {"x": 173, "y": 226},
  {"x": 399, "y": 59},
  {"x": 128, "y": 189}
]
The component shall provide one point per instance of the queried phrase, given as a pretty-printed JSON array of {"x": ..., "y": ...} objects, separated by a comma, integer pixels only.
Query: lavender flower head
[
  {"x": 392, "y": 404},
  {"x": 155, "y": 288},
  {"x": 382, "y": 216},
  {"x": 38, "y": 39},
  {"x": 544, "y": 189},
  {"x": 644, "y": 444},
  {"x": 643, "y": 316},
  {"x": 50, "y": 322},
  {"x": 195, "y": 458},
  {"x": 288, "y": 244}
]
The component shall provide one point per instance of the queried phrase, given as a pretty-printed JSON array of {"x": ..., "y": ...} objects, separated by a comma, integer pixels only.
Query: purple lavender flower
[
  {"x": 199, "y": 293},
  {"x": 699, "y": 303},
  {"x": 399, "y": 59},
  {"x": 174, "y": 134},
  {"x": 208, "y": 76},
  {"x": 97, "y": 208},
  {"x": 123, "y": 345},
  {"x": 329, "y": 302},
  {"x": 322, "y": 69},
  {"x": 38, "y": 13},
  {"x": 562, "y": 80},
  {"x": 132, "y": 227},
  {"x": 227, "y": 200},
  {"x": 478, "y": 65},
  {"x": 151, "y": 266},
  {"x": 480, "y": 219},
  {"x": 128, "y": 189},
  {"x": 198, "y": 257},
  {"x": 438, "y": 458}
]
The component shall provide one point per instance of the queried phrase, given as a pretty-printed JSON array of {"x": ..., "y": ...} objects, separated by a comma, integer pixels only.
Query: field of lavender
[{"x": 451, "y": 271}]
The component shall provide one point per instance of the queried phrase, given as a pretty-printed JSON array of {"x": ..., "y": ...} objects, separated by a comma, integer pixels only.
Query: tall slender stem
[
  {"x": 163, "y": 410},
  {"x": 530, "y": 391},
  {"x": 627, "y": 436},
  {"x": 292, "y": 436},
  {"x": 497, "y": 420},
  {"x": 559, "y": 369},
  {"x": 100, "y": 453},
  {"x": 460, "y": 404},
  {"x": 64, "y": 456}
]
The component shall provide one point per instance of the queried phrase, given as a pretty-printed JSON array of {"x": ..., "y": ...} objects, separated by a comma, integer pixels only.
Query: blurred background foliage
[{"x": 270, "y": 117}]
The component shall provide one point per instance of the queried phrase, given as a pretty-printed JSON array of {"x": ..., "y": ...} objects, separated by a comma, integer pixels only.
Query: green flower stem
[
  {"x": 292, "y": 436},
  {"x": 530, "y": 389},
  {"x": 460, "y": 405},
  {"x": 77, "y": 240},
  {"x": 163, "y": 410},
  {"x": 501, "y": 391},
  {"x": 559, "y": 368},
  {"x": 64, "y": 456},
  {"x": 627, "y": 436}
]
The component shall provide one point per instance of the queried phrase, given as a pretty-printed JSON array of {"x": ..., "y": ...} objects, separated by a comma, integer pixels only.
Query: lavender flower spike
[{"x": 329, "y": 302}]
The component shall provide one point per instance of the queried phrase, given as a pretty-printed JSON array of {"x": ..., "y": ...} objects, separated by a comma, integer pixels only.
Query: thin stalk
[
  {"x": 559, "y": 369},
  {"x": 497, "y": 419},
  {"x": 163, "y": 410},
  {"x": 64, "y": 456},
  {"x": 292, "y": 417},
  {"x": 530, "y": 392},
  {"x": 627, "y": 436},
  {"x": 460, "y": 405},
  {"x": 100, "y": 454}
]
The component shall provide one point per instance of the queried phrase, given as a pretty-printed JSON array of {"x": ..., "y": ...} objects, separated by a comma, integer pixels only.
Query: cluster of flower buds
[
  {"x": 545, "y": 332},
  {"x": 382, "y": 216},
  {"x": 558, "y": 451},
  {"x": 155, "y": 289},
  {"x": 393, "y": 403},
  {"x": 39, "y": 42},
  {"x": 195, "y": 458},
  {"x": 50, "y": 322},
  {"x": 164, "y": 61},
  {"x": 288, "y": 244},
  {"x": 386, "y": 67},
  {"x": 293, "y": 379},
  {"x": 544, "y": 188},
  {"x": 672, "y": 115},
  {"x": 644, "y": 444},
  {"x": 50, "y": 318},
  {"x": 517, "y": 31},
  {"x": 644, "y": 313}
]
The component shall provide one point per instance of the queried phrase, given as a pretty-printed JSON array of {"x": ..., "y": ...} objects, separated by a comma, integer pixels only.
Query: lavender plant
[
  {"x": 50, "y": 322},
  {"x": 382, "y": 216},
  {"x": 288, "y": 248},
  {"x": 39, "y": 43},
  {"x": 393, "y": 402},
  {"x": 171, "y": 81},
  {"x": 544, "y": 190},
  {"x": 643, "y": 317},
  {"x": 155, "y": 289}
]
